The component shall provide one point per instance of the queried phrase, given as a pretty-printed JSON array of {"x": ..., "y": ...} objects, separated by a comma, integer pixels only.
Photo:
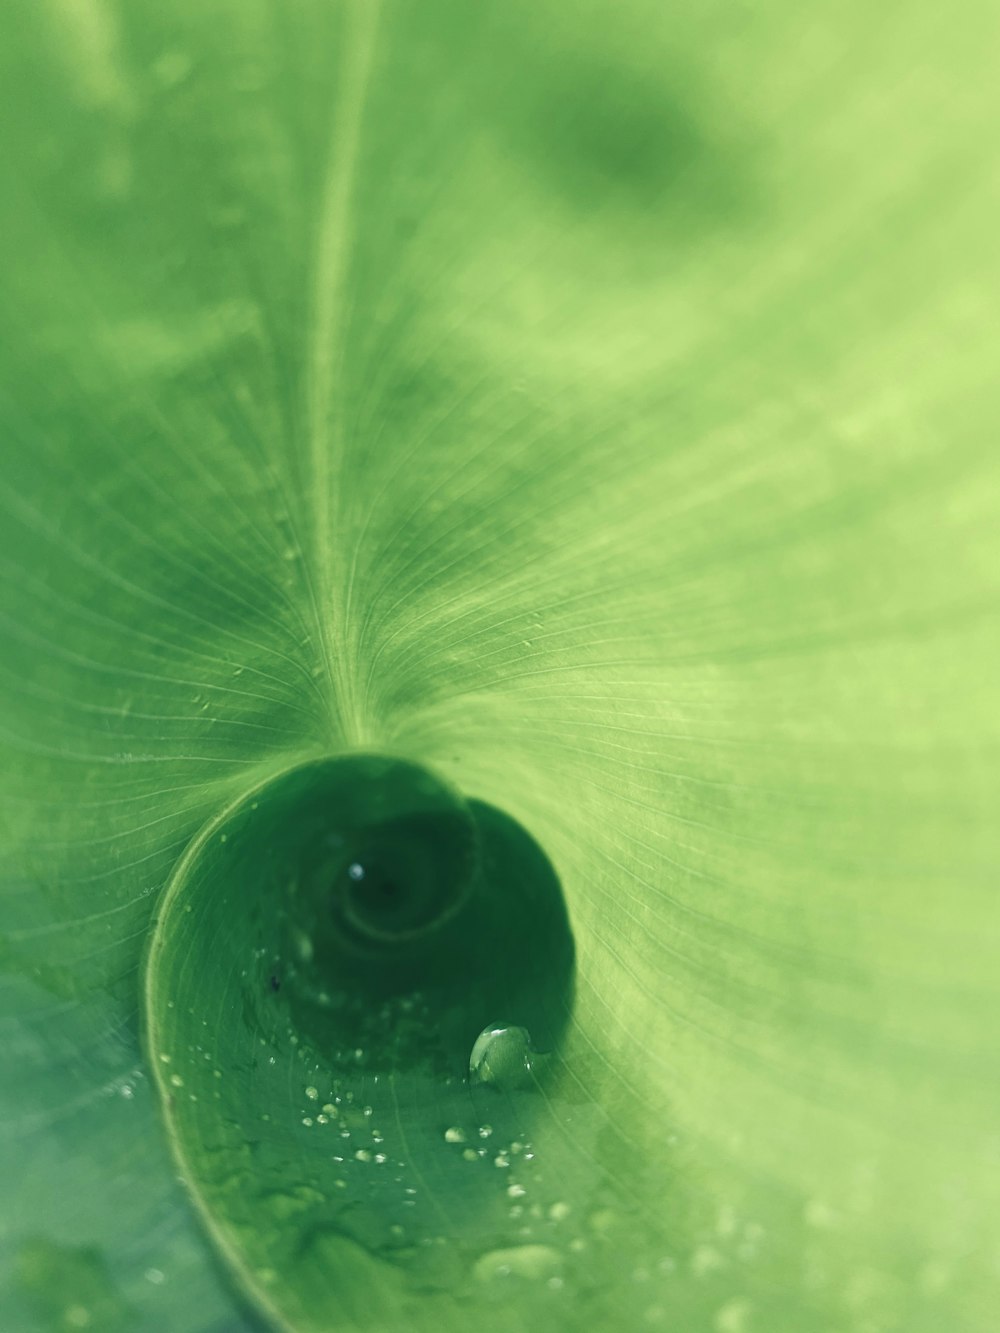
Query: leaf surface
[{"x": 597, "y": 408}]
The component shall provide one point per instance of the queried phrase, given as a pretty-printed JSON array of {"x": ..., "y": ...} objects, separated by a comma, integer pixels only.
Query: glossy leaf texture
[{"x": 595, "y": 408}]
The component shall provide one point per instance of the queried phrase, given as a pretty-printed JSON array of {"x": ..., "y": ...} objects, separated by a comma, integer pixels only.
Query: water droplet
[
  {"x": 470, "y": 1155},
  {"x": 732, "y": 1317},
  {"x": 485, "y": 1131},
  {"x": 559, "y": 1212},
  {"x": 516, "y": 1191},
  {"x": 312, "y": 1094},
  {"x": 154, "y": 1275},
  {"x": 502, "y": 1055},
  {"x": 165, "y": 1058},
  {"x": 521, "y": 1261},
  {"x": 176, "y": 1080},
  {"x": 171, "y": 68},
  {"x": 363, "y": 1155},
  {"x": 454, "y": 1135},
  {"x": 706, "y": 1260},
  {"x": 330, "y": 1109},
  {"x": 307, "y": 1121},
  {"x": 501, "y": 1160},
  {"x": 602, "y": 1220}
]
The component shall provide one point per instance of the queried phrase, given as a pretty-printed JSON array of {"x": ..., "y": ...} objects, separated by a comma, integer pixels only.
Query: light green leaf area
[{"x": 595, "y": 405}]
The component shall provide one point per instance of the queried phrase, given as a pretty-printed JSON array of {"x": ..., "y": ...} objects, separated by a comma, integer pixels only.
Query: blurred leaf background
[{"x": 599, "y": 403}]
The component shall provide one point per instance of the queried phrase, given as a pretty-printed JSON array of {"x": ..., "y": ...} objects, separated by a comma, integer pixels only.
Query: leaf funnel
[{"x": 320, "y": 984}]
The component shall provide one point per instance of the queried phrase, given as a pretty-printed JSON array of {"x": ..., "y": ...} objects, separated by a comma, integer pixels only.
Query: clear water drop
[
  {"x": 521, "y": 1261},
  {"x": 502, "y": 1056}
]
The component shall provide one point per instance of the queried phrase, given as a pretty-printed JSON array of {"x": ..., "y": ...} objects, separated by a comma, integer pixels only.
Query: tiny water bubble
[{"x": 454, "y": 1135}]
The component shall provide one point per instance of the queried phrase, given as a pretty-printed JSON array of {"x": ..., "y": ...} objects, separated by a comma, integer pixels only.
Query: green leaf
[{"x": 594, "y": 407}]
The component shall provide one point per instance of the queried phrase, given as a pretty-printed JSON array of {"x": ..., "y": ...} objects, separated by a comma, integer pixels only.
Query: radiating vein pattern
[{"x": 597, "y": 405}]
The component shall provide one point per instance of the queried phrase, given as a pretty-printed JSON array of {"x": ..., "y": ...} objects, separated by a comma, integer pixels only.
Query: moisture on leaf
[{"x": 498, "y": 699}]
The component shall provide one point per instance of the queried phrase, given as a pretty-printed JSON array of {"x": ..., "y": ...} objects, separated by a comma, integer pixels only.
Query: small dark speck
[{"x": 275, "y": 983}]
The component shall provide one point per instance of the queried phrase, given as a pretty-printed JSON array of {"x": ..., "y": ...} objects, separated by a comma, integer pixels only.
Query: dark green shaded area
[{"x": 314, "y": 1059}]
